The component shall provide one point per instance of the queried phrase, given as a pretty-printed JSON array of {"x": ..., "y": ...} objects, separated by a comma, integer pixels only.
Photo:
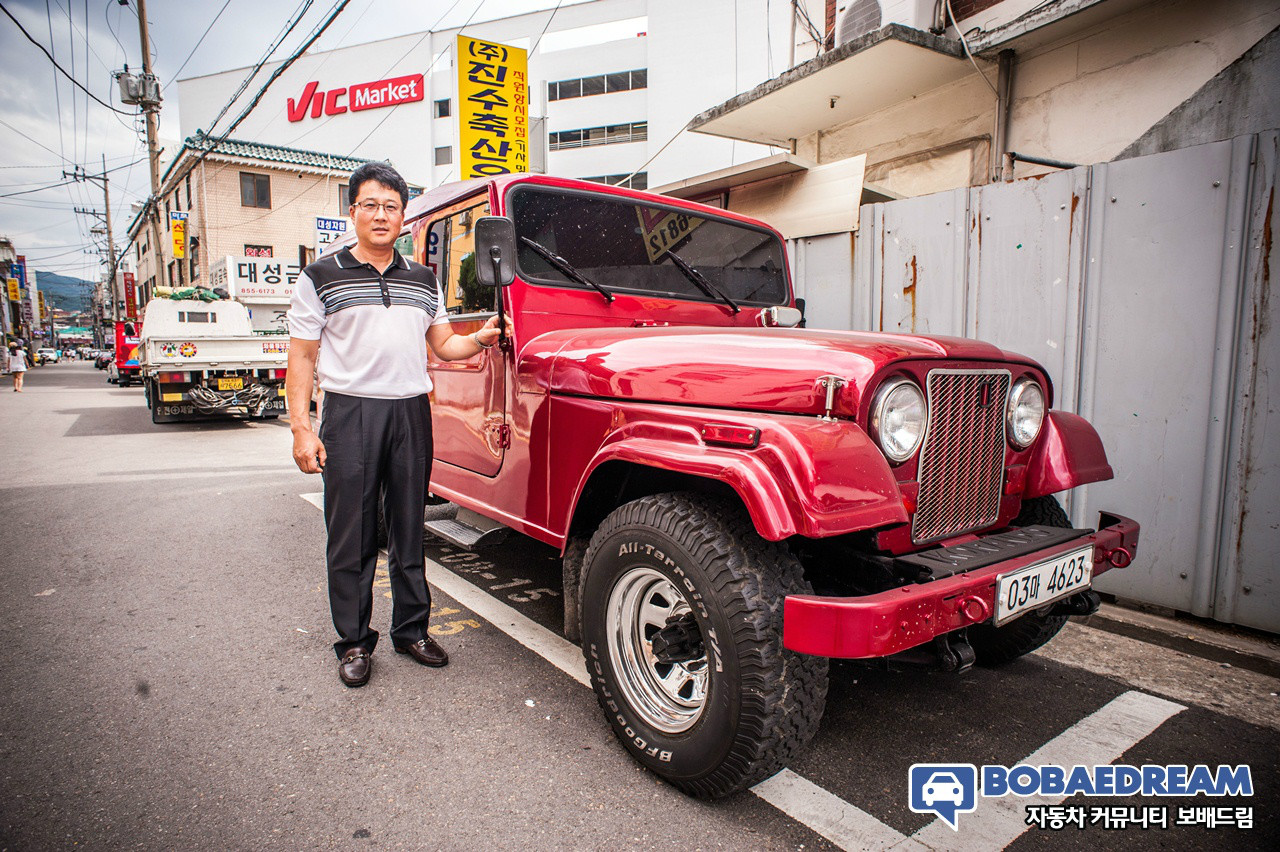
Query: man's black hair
[{"x": 383, "y": 174}]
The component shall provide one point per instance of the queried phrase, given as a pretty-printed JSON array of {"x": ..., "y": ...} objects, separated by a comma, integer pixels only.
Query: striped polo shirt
[{"x": 372, "y": 324}]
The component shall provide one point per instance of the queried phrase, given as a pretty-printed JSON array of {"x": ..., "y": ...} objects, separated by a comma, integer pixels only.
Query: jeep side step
[{"x": 468, "y": 530}]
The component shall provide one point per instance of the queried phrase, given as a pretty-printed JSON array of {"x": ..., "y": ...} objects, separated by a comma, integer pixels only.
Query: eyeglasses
[{"x": 371, "y": 207}]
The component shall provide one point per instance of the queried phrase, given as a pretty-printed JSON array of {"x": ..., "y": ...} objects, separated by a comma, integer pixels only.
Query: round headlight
[
  {"x": 898, "y": 418},
  {"x": 1026, "y": 412}
]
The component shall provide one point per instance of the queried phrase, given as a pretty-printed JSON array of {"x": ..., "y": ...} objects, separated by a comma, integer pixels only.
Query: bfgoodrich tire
[
  {"x": 736, "y": 706},
  {"x": 996, "y": 646}
]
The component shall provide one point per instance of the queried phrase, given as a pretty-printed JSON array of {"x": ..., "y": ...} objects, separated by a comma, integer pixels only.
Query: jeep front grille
[{"x": 962, "y": 460}]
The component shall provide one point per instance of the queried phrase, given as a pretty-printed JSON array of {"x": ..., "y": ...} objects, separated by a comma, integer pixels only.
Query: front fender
[
  {"x": 1068, "y": 453},
  {"x": 805, "y": 477}
]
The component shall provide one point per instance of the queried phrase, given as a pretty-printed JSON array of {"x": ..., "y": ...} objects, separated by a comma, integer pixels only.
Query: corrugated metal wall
[{"x": 1143, "y": 286}]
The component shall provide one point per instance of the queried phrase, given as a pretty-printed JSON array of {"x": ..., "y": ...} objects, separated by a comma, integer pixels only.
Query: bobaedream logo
[
  {"x": 945, "y": 789},
  {"x": 950, "y": 789}
]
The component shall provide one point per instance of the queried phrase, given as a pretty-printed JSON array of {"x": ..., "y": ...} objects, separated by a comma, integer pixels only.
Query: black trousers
[{"x": 376, "y": 446}]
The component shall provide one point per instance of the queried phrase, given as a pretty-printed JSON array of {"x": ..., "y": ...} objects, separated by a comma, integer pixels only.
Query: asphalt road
[{"x": 168, "y": 682}]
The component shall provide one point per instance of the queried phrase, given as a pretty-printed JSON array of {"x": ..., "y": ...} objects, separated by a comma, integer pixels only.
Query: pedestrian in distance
[
  {"x": 361, "y": 320},
  {"x": 17, "y": 366}
]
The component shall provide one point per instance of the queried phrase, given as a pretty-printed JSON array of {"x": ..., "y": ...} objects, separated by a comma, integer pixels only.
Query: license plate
[
  {"x": 1042, "y": 583},
  {"x": 231, "y": 384}
]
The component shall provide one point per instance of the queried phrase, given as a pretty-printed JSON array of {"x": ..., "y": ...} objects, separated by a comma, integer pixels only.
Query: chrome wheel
[{"x": 669, "y": 696}]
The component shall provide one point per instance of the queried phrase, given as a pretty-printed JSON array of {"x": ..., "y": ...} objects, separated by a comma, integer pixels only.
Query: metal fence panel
[{"x": 1143, "y": 287}]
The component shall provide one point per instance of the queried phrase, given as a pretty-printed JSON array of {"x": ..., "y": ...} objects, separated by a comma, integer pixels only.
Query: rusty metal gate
[{"x": 1143, "y": 286}]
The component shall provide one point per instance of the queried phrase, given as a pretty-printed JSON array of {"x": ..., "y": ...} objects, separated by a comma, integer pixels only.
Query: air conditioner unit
[{"x": 860, "y": 17}]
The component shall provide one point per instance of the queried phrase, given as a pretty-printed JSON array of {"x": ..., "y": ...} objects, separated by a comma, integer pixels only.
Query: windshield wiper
[
  {"x": 703, "y": 284},
  {"x": 565, "y": 267}
]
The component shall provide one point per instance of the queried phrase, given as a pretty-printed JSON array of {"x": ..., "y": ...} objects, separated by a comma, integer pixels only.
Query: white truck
[{"x": 203, "y": 359}]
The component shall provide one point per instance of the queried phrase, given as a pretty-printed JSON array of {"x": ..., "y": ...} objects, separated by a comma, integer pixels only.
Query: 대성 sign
[{"x": 493, "y": 114}]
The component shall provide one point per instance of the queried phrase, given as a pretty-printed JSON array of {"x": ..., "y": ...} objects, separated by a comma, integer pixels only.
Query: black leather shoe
[
  {"x": 354, "y": 667},
  {"x": 425, "y": 651}
]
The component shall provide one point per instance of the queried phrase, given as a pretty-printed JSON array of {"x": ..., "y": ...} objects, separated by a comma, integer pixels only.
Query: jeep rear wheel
[
  {"x": 995, "y": 646},
  {"x": 682, "y": 634}
]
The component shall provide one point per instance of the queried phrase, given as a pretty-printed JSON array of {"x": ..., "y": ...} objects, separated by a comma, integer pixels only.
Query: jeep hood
[{"x": 758, "y": 369}]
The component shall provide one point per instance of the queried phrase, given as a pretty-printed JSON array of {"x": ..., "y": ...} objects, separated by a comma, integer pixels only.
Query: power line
[
  {"x": 45, "y": 51},
  {"x": 253, "y": 72},
  {"x": 56, "y": 65},
  {"x": 199, "y": 42}
]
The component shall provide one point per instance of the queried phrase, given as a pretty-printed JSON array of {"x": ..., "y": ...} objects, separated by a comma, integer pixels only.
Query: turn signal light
[{"x": 728, "y": 435}]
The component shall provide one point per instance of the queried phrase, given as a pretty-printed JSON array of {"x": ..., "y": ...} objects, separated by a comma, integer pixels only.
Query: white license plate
[{"x": 1039, "y": 584}]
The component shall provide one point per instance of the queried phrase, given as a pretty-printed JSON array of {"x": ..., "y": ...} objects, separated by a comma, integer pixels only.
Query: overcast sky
[{"x": 49, "y": 125}]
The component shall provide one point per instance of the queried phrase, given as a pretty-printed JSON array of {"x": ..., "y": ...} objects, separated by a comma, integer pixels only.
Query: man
[{"x": 361, "y": 320}]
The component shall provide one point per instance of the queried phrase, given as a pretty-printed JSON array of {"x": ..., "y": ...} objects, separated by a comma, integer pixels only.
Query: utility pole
[
  {"x": 144, "y": 91},
  {"x": 79, "y": 174}
]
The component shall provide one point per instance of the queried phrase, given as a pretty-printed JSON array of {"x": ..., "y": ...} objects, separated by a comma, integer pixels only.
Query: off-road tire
[
  {"x": 762, "y": 702},
  {"x": 997, "y": 646}
]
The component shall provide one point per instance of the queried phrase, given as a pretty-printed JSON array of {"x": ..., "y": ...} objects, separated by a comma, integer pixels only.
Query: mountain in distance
[{"x": 66, "y": 292}]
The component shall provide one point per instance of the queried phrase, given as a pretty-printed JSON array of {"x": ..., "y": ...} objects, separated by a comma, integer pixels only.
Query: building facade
[
  {"x": 612, "y": 85},
  {"x": 240, "y": 199}
]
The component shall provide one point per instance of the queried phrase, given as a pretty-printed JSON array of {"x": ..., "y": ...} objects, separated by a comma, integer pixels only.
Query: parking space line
[
  {"x": 827, "y": 814},
  {"x": 1099, "y": 738}
]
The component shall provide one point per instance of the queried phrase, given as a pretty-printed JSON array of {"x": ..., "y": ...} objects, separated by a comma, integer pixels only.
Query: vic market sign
[{"x": 381, "y": 93}]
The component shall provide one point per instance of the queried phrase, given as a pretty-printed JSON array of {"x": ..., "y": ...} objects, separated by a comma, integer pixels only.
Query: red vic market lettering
[{"x": 382, "y": 93}]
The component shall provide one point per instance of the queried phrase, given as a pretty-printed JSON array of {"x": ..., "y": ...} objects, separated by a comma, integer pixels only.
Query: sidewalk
[{"x": 1242, "y": 648}]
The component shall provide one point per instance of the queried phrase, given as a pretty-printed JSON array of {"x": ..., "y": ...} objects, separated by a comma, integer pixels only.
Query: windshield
[{"x": 626, "y": 246}]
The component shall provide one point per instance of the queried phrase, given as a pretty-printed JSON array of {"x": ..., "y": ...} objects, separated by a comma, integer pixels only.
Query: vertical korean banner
[
  {"x": 178, "y": 225},
  {"x": 130, "y": 297},
  {"x": 493, "y": 117}
]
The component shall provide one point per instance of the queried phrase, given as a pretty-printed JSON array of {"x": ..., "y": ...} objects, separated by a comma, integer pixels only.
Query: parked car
[
  {"x": 738, "y": 498},
  {"x": 45, "y": 355},
  {"x": 104, "y": 358}
]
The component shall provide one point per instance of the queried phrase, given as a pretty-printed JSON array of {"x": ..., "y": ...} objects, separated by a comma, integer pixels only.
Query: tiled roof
[{"x": 275, "y": 153}]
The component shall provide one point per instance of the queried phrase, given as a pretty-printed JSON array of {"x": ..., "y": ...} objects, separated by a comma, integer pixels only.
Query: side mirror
[
  {"x": 779, "y": 316},
  {"x": 495, "y": 251},
  {"x": 804, "y": 321}
]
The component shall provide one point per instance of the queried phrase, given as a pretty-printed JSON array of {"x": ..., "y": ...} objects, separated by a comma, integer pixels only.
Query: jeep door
[{"x": 468, "y": 404}]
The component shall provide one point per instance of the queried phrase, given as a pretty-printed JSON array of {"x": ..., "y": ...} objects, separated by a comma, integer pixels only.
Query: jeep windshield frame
[{"x": 624, "y": 244}]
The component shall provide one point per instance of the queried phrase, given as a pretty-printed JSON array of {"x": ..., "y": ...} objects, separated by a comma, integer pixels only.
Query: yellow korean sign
[
  {"x": 15, "y": 295},
  {"x": 178, "y": 226},
  {"x": 40, "y": 298},
  {"x": 493, "y": 116}
]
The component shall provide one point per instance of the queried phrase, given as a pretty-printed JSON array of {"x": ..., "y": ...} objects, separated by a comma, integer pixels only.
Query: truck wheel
[
  {"x": 146, "y": 395},
  {"x": 682, "y": 634},
  {"x": 995, "y": 646}
]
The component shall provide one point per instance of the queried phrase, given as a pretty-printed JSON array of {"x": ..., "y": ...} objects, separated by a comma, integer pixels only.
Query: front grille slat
[{"x": 962, "y": 460}]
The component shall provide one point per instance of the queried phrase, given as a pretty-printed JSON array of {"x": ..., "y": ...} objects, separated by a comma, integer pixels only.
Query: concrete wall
[{"x": 1083, "y": 98}]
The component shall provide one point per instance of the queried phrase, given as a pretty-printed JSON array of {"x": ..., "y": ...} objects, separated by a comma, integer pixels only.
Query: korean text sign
[
  {"x": 178, "y": 225},
  {"x": 493, "y": 118}
]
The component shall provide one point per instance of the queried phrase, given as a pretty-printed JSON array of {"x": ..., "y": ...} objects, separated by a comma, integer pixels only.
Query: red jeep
[{"x": 738, "y": 498}]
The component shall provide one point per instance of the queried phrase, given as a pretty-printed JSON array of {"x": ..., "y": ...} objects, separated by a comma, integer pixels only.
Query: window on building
[
  {"x": 618, "y": 81},
  {"x": 190, "y": 204},
  {"x": 173, "y": 277},
  {"x": 640, "y": 180},
  {"x": 612, "y": 134},
  {"x": 177, "y": 199},
  {"x": 344, "y": 203},
  {"x": 442, "y": 108},
  {"x": 255, "y": 190},
  {"x": 258, "y": 251},
  {"x": 444, "y": 156},
  {"x": 167, "y": 211},
  {"x": 193, "y": 253}
]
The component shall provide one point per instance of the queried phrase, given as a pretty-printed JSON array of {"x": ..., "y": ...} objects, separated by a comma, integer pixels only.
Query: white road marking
[
  {"x": 555, "y": 649},
  {"x": 1100, "y": 737},
  {"x": 827, "y": 814}
]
